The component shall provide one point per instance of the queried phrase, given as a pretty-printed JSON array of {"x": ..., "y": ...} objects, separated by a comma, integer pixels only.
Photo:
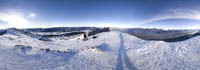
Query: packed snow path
[
  {"x": 123, "y": 57},
  {"x": 110, "y": 51}
]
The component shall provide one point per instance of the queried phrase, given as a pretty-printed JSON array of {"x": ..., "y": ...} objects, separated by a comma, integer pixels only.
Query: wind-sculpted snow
[
  {"x": 26, "y": 58},
  {"x": 109, "y": 51}
]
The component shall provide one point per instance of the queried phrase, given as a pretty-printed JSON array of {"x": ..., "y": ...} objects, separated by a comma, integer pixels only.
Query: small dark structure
[{"x": 85, "y": 36}]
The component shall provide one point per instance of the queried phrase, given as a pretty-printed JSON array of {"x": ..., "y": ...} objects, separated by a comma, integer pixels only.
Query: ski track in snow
[{"x": 123, "y": 57}]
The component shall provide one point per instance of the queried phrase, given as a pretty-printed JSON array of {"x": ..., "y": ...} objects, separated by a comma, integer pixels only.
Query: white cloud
[
  {"x": 15, "y": 19},
  {"x": 176, "y": 14}
]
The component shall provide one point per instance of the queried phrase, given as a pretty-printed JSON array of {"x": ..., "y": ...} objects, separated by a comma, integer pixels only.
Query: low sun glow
[
  {"x": 32, "y": 15},
  {"x": 16, "y": 19}
]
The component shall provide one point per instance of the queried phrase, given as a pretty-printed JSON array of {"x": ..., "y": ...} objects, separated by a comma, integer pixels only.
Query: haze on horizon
[{"x": 174, "y": 14}]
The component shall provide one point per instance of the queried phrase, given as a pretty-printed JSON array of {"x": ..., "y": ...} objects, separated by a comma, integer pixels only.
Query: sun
[{"x": 32, "y": 15}]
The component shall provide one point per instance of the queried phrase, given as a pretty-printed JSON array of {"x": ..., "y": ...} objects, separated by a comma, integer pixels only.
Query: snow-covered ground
[{"x": 109, "y": 51}]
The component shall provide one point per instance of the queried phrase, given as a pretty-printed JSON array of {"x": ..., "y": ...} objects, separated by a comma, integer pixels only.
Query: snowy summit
[{"x": 104, "y": 49}]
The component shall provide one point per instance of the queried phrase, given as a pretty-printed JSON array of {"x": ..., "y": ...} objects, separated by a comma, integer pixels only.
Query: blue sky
[{"x": 113, "y": 13}]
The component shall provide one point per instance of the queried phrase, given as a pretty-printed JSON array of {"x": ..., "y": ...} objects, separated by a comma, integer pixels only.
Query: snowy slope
[{"x": 109, "y": 51}]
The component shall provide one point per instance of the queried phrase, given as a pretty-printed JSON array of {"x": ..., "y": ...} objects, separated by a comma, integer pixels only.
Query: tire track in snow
[{"x": 123, "y": 57}]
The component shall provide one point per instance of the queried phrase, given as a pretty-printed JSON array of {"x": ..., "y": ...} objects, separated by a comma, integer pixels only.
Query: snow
[{"x": 109, "y": 51}]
